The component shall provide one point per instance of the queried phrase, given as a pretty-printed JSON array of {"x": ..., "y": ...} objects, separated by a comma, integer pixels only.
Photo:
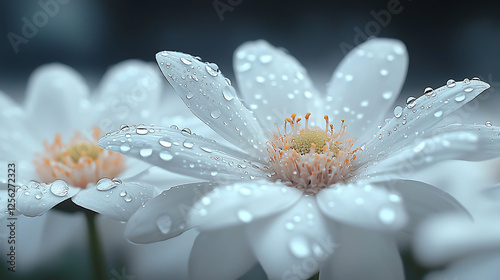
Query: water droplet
[
  {"x": 215, "y": 114},
  {"x": 387, "y": 94},
  {"x": 212, "y": 69},
  {"x": 127, "y": 198},
  {"x": 384, "y": 72},
  {"x": 466, "y": 81},
  {"x": 244, "y": 67},
  {"x": 245, "y": 191},
  {"x": 460, "y": 98},
  {"x": 141, "y": 130},
  {"x": 188, "y": 144},
  {"x": 164, "y": 223},
  {"x": 124, "y": 127},
  {"x": 105, "y": 184},
  {"x": 299, "y": 247},
  {"x": 308, "y": 94},
  {"x": 165, "y": 142},
  {"x": 117, "y": 181},
  {"x": 476, "y": 79},
  {"x": 228, "y": 81},
  {"x": 125, "y": 147},
  {"x": 214, "y": 173},
  {"x": 398, "y": 111},
  {"x": 387, "y": 215},
  {"x": 174, "y": 127},
  {"x": 266, "y": 58},
  {"x": 469, "y": 89},
  {"x": 228, "y": 93},
  {"x": 189, "y": 95},
  {"x": 59, "y": 188},
  {"x": 245, "y": 216},
  {"x": 450, "y": 83},
  {"x": 438, "y": 114},
  {"x": 488, "y": 123},
  {"x": 123, "y": 193},
  {"x": 145, "y": 152},
  {"x": 349, "y": 78},
  {"x": 38, "y": 196},
  {"x": 186, "y": 131},
  {"x": 260, "y": 79},
  {"x": 364, "y": 103},
  {"x": 166, "y": 156},
  {"x": 428, "y": 90},
  {"x": 206, "y": 149},
  {"x": 186, "y": 61},
  {"x": 289, "y": 226}
]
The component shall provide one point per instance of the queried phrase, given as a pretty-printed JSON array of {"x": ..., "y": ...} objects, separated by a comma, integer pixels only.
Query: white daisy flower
[{"x": 320, "y": 191}]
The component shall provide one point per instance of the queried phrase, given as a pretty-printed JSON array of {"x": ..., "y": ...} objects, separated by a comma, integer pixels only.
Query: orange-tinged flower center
[
  {"x": 78, "y": 163},
  {"x": 311, "y": 158}
]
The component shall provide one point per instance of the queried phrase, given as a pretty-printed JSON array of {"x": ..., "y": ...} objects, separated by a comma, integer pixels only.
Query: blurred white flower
[{"x": 324, "y": 196}]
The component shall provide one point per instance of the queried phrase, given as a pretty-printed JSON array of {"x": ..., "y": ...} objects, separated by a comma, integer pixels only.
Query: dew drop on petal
[
  {"x": 384, "y": 72},
  {"x": 186, "y": 61},
  {"x": 387, "y": 215},
  {"x": 186, "y": 131},
  {"x": 212, "y": 69},
  {"x": 438, "y": 114},
  {"x": 127, "y": 198},
  {"x": 124, "y": 127},
  {"x": 398, "y": 111},
  {"x": 364, "y": 103},
  {"x": 469, "y": 89},
  {"x": 214, "y": 173},
  {"x": 125, "y": 147},
  {"x": 146, "y": 152},
  {"x": 266, "y": 58},
  {"x": 123, "y": 193},
  {"x": 215, "y": 114},
  {"x": 141, "y": 130},
  {"x": 387, "y": 94},
  {"x": 299, "y": 247},
  {"x": 228, "y": 93},
  {"x": 428, "y": 90},
  {"x": 165, "y": 142},
  {"x": 166, "y": 156},
  {"x": 450, "y": 83},
  {"x": 245, "y": 216},
  {"x": 105, "y": 184},
  {"x": 188, "y": 144},
  {"x": 488, "y": 123},
  {"x": 460, "y": 98},
  {"x": 59, "y": 188},
  {"x": 164, "y": 223},
  {"x": 206, "y": 149}
]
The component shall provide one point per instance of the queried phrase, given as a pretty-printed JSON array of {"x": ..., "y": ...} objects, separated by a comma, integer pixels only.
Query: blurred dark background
[{"x": 444, "y": 40}]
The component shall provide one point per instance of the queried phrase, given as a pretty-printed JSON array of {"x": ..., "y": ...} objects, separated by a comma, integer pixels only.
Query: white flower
[
  {"x": 321, "y": 193},
  {"x": 53, "y": 139}
]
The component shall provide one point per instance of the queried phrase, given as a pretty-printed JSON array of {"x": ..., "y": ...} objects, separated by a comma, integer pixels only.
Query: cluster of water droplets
[
  {"x": 58, "y": 188},
  {"x": 107, "y": 185}
]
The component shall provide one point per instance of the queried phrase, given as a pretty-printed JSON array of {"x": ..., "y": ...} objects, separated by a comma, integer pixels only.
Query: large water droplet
[
  {"x": 215, "y": 114},
  {"x": 206, "y": 149},
  {"x": 125, "y": 147},
  {"x": 186, "y": 61},
  {"x": 266, "y": 58},
  {"x": 188, "y": 144},
  {"x": 488, "y": 123},
  {"x": 127, "y": 198},
  {"x": 146, "y": 152},
  {"x": 166, "y": 156},
  {"x": 244, "y": 67},
  {"x": 387, "y": 95},
  {"x": 228, "y": 93},
  {"x": 124, "y": 127},
  {"x": 105, "y": 184},
  {"x": 186, "y": 131},
  {"x": 299, "y": 247},
  {"x": 59, "y": 188},
  {"x": 387, "y": 215},
  {"x": 141, "y": 130},
  {"x": 438, "y": 114},
  {"x": 165, "y": 142},
  {"x": 450, "y": 83},
  {"x": 164, "y": 223},
  {"x": 212, "y": 69},
  {"x": 469, "y": 89},
  {"x": 428, "y": 90},
  {"x": 460, "y": 98},
  {"x": 398, "y": 111},
  {"x": 123, "y": 193},
  {"x": 245, "y": 216}
]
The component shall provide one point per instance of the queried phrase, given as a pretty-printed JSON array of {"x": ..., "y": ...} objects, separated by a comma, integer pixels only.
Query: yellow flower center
[
  {"x": 311, "y": 158},
  {"x": 79, "y": 163}
]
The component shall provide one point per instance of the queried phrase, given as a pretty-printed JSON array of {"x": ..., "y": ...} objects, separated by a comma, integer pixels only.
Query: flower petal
[
  {"x": 213, "y": 250},
  {"x": 483, "y": 266},
  {"x": 129, "y": 92},
  {"x": 452, "y": 142},
  {"x": 421, "y": 115},
  {"x": 184, "y": 153},
  {"x": 241, "y": 203},
  {"x": 37, "y": 198},
  {"x": 212, "y": 99},
  {"x": 363, "y": 254},
  {"x": 366, "y": 83},
  {"x": 164, "y": 216},
  {"x": 272, "y": 82},
  {"x": 366, "y": 205},
  {"x": 57, "y": 94},
  {"x": 119, "y": 202},
  {"x": 294, "y": 243}
]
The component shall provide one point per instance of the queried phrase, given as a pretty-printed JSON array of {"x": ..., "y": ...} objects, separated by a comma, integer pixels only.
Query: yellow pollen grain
[
  {"x": 302, "y": 143},
  {"x": 81, "y": 150}
]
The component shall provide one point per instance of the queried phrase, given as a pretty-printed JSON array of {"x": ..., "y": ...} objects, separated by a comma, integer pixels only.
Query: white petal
[
  {"x": 484, "y": 266},
  {"x": 35, "y": 199},
  {"x": 184, "y": 153},
  {"x": 214, "y": 250},
  {"x": 273, "y": 83},
  {"x": 457, "y": 142},
  {"x": 420, "y": 116},
  {"x": 367, "y": 205},
  {"x": 242, "y": 203},
  {"x": 209, "y": 96},
  {"x": 447, "y": 237},
  {"x": 119, "y": 203},
  {"x": 294, "y": 243},
  {"x": 423, "y": 201},
  {"x": 366, "y": 83},
  {"x": 165, "y": 216},
  {"x": 129, "y": 92},
  {"x": 57, "y": 95},
  {"x": 363, "y": 254}
]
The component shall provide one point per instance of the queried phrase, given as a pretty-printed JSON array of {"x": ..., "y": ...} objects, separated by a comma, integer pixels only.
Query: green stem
[{"x": 96, "y": 253}]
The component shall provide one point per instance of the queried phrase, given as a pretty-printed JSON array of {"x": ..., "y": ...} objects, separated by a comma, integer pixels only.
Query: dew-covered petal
[
  {"x": 299, "y": 237},
  {"x": 363, "y": 204},
  {"x": 272, "y": 83},
  {"x": 164, "y": 216},
  {"x": 57, "y": 101},
  {"x": 129, "y": 92},
  {"x": 118, "y": 202},
  {"x": 452, "y": 142},
  {"x": 422, "y": 201},
  {"x": 212, "y": 99},
  {"x": 241, "y": 203},
  {"x": 35, "y": 199},
  {"x": 185, "y": 153},
  {"x": 442, "y": 238},
  {"x": 363, "y": 254},
  {"x": 366, "y": 83},
  {"x": 214, "y": 250},
  {"x": 421, "y": 115}
]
